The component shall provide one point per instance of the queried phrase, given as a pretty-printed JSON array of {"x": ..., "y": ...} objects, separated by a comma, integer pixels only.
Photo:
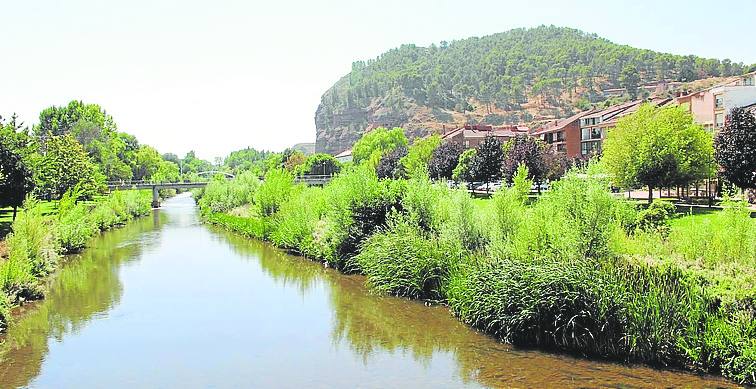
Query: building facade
[{"x": 471, "y": 135}]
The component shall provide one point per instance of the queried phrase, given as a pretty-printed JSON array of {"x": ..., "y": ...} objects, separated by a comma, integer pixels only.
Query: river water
[{"x": 168, "y": 302}]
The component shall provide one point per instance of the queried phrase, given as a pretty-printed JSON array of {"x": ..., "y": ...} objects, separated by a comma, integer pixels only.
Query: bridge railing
[{"x": 125, "y": 183}]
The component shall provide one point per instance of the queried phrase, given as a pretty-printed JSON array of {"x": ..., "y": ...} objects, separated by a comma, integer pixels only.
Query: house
[
  {"x": 711, "y": 106},
  {"x": 344, "y": 156},
  {"x": 470, "y": 135}
]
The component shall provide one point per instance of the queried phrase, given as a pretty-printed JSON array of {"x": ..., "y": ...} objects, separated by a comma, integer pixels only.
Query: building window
[
  {"x": 550, "y": 137},
  {"x": 593, "y": 147},
  {"x": 590, "y": 133},
  {"x": 560, "y": 136},
  {"x": 719, "y": 120},
  {"x": 718, "y": 102},
  {"x": 467, "y": 144},
  {"x": 749, "y": 81},
  {"x": 561, "y": 147}
]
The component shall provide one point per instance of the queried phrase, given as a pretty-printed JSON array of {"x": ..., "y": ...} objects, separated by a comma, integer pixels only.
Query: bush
[
  {"x": 274, "y": 191},
  {"x": 357, "y": 205},
  {"x": 222, "y": 195},
  {"x": 295, "y": 222},
  {"x": 656, "y": 217},
  {"x": 401, "y": 260}
]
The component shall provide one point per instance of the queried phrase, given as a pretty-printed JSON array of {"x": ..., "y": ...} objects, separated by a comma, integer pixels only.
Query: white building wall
[{"x": 738, "y": 96}]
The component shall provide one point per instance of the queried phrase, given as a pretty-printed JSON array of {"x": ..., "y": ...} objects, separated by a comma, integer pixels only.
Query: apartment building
[
  {"x": 583, "y": 134},
  {"x": 711, "y": 106}
]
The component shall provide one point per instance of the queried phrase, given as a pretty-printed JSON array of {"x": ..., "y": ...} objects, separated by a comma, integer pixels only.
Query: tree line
[{"x": 78, "y": 145}]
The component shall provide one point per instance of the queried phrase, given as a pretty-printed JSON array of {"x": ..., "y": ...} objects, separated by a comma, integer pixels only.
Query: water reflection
[
  {"x": 87, "y": 286},
  {"x": 371, "y": 326},
  {"x": 167, "y": 302}
]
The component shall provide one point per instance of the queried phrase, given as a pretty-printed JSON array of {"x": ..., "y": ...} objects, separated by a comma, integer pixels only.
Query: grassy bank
[
  {"x": 39, "y": 238},
  {"x": 576, "y": 270}
]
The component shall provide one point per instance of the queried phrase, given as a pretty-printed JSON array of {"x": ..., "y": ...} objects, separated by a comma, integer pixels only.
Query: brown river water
[{"x": 167, "y": 302}]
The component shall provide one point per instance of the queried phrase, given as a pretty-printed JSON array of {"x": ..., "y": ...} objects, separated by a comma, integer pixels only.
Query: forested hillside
[{"x": 510, "y": 77}]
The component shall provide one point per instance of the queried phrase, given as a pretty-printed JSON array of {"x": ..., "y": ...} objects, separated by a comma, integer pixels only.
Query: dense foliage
[
  {"x": 526, "y": 150},
  {"x": 15, "y": 173},
  {"x": 507, "y": 69},
  {"x": 444, "y": 160},
  {"x": 377, "y": 142},
  {"x": 735, "y": 147}
]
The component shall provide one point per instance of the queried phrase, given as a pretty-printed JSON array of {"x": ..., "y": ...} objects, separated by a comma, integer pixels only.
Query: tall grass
[{"x": 578, "y": 269}]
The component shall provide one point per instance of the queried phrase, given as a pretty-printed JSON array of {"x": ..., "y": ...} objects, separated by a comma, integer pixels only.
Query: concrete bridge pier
[{"x": 155, "y": 197}]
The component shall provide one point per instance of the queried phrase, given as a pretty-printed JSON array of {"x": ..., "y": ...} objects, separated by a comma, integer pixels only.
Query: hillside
[{"x": 521, "y": 75}]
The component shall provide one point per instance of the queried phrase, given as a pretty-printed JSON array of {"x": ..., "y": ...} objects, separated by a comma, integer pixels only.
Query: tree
[
  {"x": 657, "y": 147},
  {"x": 321, "y": 164},
  {"x": 420, "y": 153},
  {"x": 167, "y": 171},
  {"x": 489, "y": 157},
  {"x": 735, "y": 147},
  {"x": 293, "y": 160},
  {"x": 390, "y": 165},
  {"x": 463, "y": 170},
  {"x": 15, "y": 175},
  {"x": 630, "y": 80},
  {"x": 523, "y": 149},
  {"x": 63, "y": 165},
  {"x": 377, "y": 142},
  {"x": 444, "y": 159},
  {"x": 146, "y": 162}
]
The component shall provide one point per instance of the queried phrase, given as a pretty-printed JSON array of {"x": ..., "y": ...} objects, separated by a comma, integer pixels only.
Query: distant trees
[
  {"x": 657, "y": 147},
  {"x": 64, "y": 164},
  {"x": 523, "y": 149},
  {"x": 630, "y": 80},
  {"x": 444, "y": 159},
  {"x": 502, "y": 69},
  {"x": 146, "y": 162},
  {"x": 735, "y": 149},
  {"x": 377, "y": 142}
]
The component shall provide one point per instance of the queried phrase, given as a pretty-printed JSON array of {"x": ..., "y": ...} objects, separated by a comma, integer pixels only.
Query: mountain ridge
[{"x": 518, "y": 76}]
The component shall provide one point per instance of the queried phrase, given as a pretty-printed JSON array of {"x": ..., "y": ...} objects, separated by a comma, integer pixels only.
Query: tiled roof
[
  {"x": 559, "y": 124},
  {"x": 344, "y": 153}
]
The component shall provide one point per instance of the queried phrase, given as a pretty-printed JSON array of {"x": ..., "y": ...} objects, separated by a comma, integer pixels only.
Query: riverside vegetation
[
  {"x": 577, "y": 270},
  {"x": 38, "y": 241}
]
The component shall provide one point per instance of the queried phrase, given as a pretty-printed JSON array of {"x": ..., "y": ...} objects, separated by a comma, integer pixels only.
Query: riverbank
[
  {"x": 578, "y": 270},
  {"x": 39, "y": 239}
]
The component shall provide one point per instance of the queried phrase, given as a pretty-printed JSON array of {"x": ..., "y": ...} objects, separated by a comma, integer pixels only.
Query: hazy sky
[{"x": 216, "y": 76}]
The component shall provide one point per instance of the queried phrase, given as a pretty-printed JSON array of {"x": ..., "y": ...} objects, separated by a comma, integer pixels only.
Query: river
[{"x": 169, "y": 302}]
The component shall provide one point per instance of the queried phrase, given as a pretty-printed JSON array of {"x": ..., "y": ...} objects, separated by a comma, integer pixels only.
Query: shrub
[
  {"x": 222, "y": 195},
  {"x": 656, "y": 217},
  {"x": 357, "y": 204},
  {"x": 274, "y": 191},
  {"x": 402, "y": 260},
  {"x": 295, "y": 222}
]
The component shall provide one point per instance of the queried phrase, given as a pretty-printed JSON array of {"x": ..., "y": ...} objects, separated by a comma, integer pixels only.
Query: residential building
[
  {"x": 470, "y": 135},
  {"x": 583, "y": 134},
  {"x": 711, "y": 106}
]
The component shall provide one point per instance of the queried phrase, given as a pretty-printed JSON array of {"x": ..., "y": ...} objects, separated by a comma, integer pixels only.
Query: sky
[{"x": 217, "y": 76}]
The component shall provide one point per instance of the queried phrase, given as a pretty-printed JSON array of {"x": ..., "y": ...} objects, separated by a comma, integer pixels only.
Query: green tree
[
  {"x": 167, "y": 171},
  {"x": 736, "y": 149},
  {"x": 462, "y": 172},
  {"x": 488, "y": 161},
  {"x": 657, "y": 147},
  {"x": 15, "y": 174},
  {"x": 64, "y": 164},
  {"x": 377, "y": 142},
  {"x": 321, "y": 164},
  {"x": 419, "y": 154},
  {"x": 146, "y": 162}
]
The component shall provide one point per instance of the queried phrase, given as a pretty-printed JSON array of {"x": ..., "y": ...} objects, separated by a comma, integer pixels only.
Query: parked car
[{"x": 491, "y": 186}]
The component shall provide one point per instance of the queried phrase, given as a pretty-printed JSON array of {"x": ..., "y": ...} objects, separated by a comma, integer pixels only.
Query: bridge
[{"x": 309, "y": 180}]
